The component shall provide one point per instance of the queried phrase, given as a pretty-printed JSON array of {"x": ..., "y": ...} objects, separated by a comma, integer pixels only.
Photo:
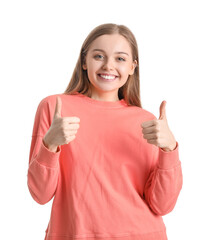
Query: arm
[
  {"x": 43, "y": 170},
  {"x": 165, "y": 181}
]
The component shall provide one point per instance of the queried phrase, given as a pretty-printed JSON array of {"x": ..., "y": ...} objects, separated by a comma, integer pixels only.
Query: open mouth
[{"x": 107, "y": 77}]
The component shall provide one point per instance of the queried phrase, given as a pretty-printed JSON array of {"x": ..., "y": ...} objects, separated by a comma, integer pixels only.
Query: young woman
[{"x": 112, "y": 167}]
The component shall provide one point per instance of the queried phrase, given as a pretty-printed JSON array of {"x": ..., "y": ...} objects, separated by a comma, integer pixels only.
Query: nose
[{"x": 108, "y": 64}]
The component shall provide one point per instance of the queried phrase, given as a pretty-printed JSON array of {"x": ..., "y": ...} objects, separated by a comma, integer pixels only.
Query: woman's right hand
[{"x": 62, "y": 129}]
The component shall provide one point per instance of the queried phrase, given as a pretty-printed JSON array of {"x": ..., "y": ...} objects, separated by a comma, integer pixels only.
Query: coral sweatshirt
[{"x": 109, "y": 182}]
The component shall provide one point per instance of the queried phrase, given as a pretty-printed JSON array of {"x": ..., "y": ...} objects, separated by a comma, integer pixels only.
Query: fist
[
  {"x": 62, "y": 130},
  {"x": 157, "y": 131}
]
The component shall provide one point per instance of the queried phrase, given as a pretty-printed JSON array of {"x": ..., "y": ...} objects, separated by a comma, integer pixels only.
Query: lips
[
  {"x": 106, "y": 74},
  {"x": 107, "y": 79}
]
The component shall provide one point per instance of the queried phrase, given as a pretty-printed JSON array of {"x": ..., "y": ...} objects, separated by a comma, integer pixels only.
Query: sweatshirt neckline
[{"x": 106, "y": 104}]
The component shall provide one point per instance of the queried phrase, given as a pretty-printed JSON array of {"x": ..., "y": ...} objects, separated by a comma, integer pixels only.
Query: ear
[
  {"x": 84, "y": 64},
  {"x": 133, "y": 67}
]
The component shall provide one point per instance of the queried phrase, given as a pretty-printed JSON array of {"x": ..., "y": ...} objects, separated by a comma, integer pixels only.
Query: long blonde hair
[{"x": 79, "y": 82}]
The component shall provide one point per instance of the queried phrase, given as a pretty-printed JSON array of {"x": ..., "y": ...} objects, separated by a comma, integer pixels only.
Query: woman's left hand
[{"x": 157, "y": 131}]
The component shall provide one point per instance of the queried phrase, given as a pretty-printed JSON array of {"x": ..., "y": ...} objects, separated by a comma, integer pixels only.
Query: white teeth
[{"x": 107, "y": 77}]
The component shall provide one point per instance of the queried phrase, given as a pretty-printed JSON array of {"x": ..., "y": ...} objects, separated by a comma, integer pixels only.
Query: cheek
[
  {"x": 94, "y": 66},
  {"x": 124, "y": 70}
]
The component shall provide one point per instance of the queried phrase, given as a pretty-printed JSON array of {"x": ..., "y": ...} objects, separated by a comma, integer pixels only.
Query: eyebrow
[{"x": 115, "y": 52}]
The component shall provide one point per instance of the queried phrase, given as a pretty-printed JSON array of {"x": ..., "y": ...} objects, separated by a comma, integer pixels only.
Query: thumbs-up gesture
[
  {"x": 62, "y": 129},
  {"x": 157, "y": 131}
]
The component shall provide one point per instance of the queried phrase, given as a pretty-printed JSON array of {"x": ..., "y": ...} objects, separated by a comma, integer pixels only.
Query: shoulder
[
  {"x": 145, "y": 115},
  {"x": 48, "y": 103},
  {"x": 63, "y": 96},
  {"x": 44, "y": 115},
  {"x": 50, "y": 100}
]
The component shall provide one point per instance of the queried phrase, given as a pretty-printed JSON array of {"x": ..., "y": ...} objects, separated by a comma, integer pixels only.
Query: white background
[{"x": 39, "y": 46}]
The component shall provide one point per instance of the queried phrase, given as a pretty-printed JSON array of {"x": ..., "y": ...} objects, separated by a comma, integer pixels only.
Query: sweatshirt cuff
[
  {"x": 169, "y": 159},
  {"x": 47, "y": 157}
]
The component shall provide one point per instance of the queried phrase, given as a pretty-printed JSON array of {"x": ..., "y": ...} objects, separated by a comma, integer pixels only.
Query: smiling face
[{"x": 109, "y": 63}]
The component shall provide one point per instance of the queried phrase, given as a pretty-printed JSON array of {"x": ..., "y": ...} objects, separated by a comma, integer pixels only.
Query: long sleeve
[
  {"x": 43, "y": 170},
  {"x": 165, "y": 181}
]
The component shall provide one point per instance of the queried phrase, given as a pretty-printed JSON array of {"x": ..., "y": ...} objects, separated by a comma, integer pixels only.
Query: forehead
[{"x": 111, "y": 43}]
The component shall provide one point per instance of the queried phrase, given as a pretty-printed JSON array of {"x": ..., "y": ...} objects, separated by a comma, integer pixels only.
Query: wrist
[
  {"x": 170, "y": 148},
  {"x": 49, "y": 146}
]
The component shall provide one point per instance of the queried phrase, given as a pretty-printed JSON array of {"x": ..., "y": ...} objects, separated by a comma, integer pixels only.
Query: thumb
[
  {"x": 58, "y": 107},
  {"x": 163, "y": 110}
]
